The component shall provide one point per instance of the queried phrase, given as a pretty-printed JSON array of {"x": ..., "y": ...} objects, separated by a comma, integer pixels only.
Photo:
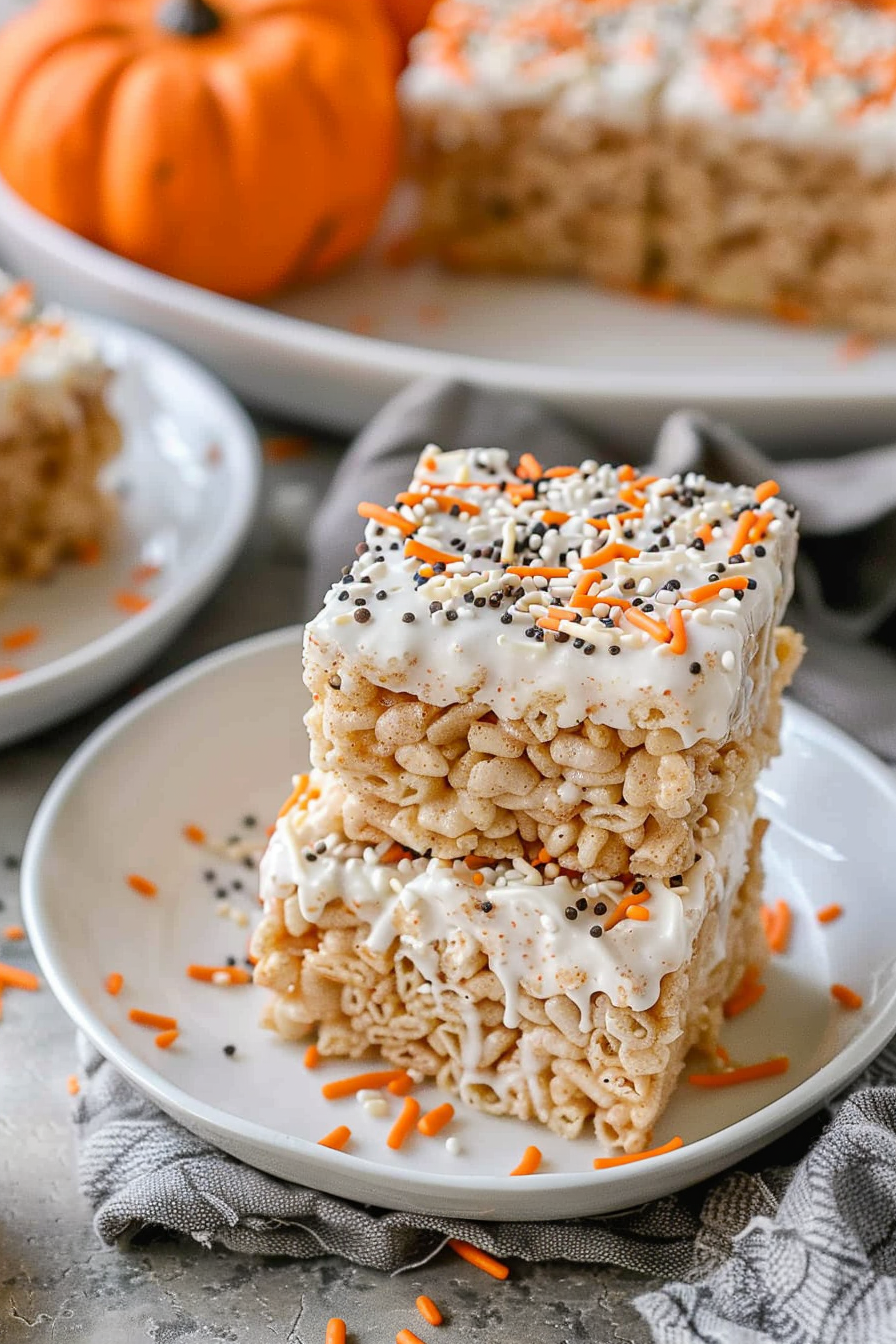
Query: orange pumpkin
[
  {"x": 407, "y": 16},
  {"x": 236, "y": 144}
]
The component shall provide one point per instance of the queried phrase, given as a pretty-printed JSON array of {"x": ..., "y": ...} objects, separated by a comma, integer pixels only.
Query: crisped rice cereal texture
[
  {"x": 616, "y": 1075},
  {"x": 460, "y": 781}
]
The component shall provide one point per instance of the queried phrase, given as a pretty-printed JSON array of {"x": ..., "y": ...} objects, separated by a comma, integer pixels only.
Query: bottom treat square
[{"x": 527, "y": 990}]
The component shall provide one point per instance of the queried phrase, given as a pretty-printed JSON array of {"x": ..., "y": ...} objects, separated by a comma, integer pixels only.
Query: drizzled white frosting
[
  {"x": 603, "y": 59},
  {"x": 525, "y": 934},
  {"x": 45, "y": 363},
  {"x": 818, "y": 73},
  {"x": 604, "y": 666}
]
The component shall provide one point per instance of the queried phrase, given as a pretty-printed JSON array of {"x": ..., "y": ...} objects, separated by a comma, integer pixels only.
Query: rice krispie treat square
[
  {"x": 553, "y": 665},
  {"x": 56, "y": 432}
]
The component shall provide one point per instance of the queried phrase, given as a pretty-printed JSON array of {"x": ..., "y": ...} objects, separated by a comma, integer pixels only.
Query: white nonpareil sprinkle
[
  {"x": 729, "y": 661},
  {"x": 368, "y": 1094},
  {"x": 377, "y": 1107},
  {"x": 452, "y": 1145}
]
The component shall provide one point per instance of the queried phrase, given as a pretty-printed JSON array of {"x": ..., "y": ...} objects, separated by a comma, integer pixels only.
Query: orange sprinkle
[
  {"x": 555, "y": 473},
  {"x": 478, "y": 879},
  {"x": 347, "y": 1087},
  {"x": 195, "y": 835},
  {"x": 166, "y": 1039},
  {"x": 113, "y": 983},
  {"x": 643, "y": 481},
  {"x": 407, "y": 1337},
  {"x": 632, "y": 495},
  {"x": 7, "y": 673},
  {"x": 741, "y": 533},
  {"x": 236, "y": 975},
  {"x": 428, "y": 1310},
  {"x": 407, "y": 1119},
  {"x": 73, "y": 1087},
  {"x": 14, "y": 933},
  {"x": 748, "y": 992},
  {"x": 679, "y": 640},
  {"x": 544, "y": 571},
  {"x": 637, "y": 912},
  {"x": 603, "y": 524},
  {"x": 542, "y": 856},
  {"x": 421, "y": 551},
  {"x": 528, "y": 1163},
  {"x": 285, "y": 447},
  {"x": 312, "y": 1057},
  {"x": 829, "y": 913},
  {"x": 554, "y": 518},
  {"x": 766, "y": 489},
  {"x": 157, "y": 1020},
  {"x": 301, "y": 785},
  {"x": 394, "y": 853},
  {"x": 476, "y": 861},
  {"x": 335, "y": 1331},
  {"x": 782, "y": 923},
  {"x": 710, "y": 590},
  {"x": 626, "y": 473},
  {"x": 337, "y": 1138},
  {"x": 143, "y": 573},
  {"x": 487, "y": 1263},
  {"x": 16, "y": 978},
  {"x": 20, "y": 639},
  {"x": 604, "y": 1163},
  {"x": 855, "y": 347},
  {"x": 530, "y": 466},
  {"x": 704, "y": 533},
  {"x": 750, "y": 1073},
  {"x": 435, "y": 1120},
  {"x": 847, "y": 997},
  {"x": 132, "y": 603},
  {"x": 792, "y": 310},
  {"x": 614, "y": 551},
  {"x": 722, "y": 1054},
  {"x": 623, "y": 908},
  {"x": 657, "y": 630},
  {"x": 141, "y": 885},
  {"x": 760, "y": 527},
  {"x": 444, "y": 502},
  {"x": 401, "y": 1085},
  {"x": 388, "y": 518}
]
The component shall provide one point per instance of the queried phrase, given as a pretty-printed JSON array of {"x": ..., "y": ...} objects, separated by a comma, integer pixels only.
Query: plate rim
[
  {"x": 669, "y": 1172},
  {"x": 354, "y": 354},
  {"x": 243, "y": 456}
]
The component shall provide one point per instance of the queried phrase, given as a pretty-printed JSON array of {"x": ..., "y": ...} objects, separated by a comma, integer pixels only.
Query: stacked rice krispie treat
[
  {"x": 56, "y": 432},
  {"x": 526, "y": 861},
  {"x": 739, "y": 155}
]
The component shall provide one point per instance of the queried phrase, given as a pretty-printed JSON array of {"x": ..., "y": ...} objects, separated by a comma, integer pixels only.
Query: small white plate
[
  {"x": 188, "y": 476},
  {"x": 220, "y": 741},
  {"x": 615, "y": 363}
]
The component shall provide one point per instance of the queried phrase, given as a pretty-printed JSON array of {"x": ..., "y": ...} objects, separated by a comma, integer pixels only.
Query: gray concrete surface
[{"x": 57, "y": 1283}]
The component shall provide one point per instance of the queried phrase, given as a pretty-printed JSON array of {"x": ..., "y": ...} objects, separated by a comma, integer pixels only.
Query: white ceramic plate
[
  {"x": 188, "y": 475},
  {"x": 615, "y": 363},
  {"x": 219, "y": 742}
]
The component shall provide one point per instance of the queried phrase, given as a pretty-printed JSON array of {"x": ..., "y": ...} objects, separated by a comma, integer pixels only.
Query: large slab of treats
[
  {"x": 737, "y": 154},
  {"x": 526, "y": 861},
  {"x": 56, "y": 432}
]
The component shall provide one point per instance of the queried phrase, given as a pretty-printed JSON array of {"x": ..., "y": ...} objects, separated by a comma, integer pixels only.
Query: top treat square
[{"x": 593, "y": 593}]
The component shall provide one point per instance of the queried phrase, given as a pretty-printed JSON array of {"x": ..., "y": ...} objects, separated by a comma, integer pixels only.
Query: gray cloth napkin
[{"x": 797, "y": 1245}]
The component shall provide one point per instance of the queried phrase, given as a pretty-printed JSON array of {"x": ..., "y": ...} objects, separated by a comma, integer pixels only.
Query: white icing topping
[
  {"x": 45, "y": 363},
  {"x": 595, "y": 59},
  {"x": 424, "y": 635},
  {"x": 517, "y": 919}
]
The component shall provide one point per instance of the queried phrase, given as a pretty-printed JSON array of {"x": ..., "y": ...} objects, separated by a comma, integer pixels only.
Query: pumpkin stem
[{"x": 188, "y": 18}]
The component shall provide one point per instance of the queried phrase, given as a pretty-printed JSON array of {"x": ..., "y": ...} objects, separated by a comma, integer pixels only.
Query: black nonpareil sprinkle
[
  {"x": 230, "y": 1051},
  {"x": 360, "y": 601},
  {"x": 697, "y": 544},
  {"x": 581, "y": 903},
  {"x": 435, "y": 606},
  {"x": 381, "y": 595},
  {"x": 578, "y": 643},
  {"x": 614, "y": 649},
  {"x": 450, "y": 615},
  {"x": 237, "y": 884},
  {"x": 571, "y": 912},
  {"x": 596, "y": 931},
  {"x": 221, "y": 893},
  {"x": 468, "y": 597},
  {"x": 696, "y": 668},
  {"x": 11, "y": 862},
  {"x": 600, "y": 908},
  {"x": 362, "y": 614},
  {"x": 676, "y": 881},
  {"x": 589, "y": 648},
  {"x": 250, "y": 821},
  {"x": 230, "y": 961},
  {"x": 751, "y": 584},
  {"x": 759, "y": 550},
  {"x": 628, "y": 584},
  {"x": 494, "y": 600},
  {"x": 407, "y": 617},
  {"x": 638, "y": 888},
  {"x": 343, "y": 596},
  {"x": 530, "y": 631},
  {"x": 479, "y": 602},
  {"x": 486, "y": 907},
  {"x": 209, "y": 874},
  {"x": 506, "y": 618}
]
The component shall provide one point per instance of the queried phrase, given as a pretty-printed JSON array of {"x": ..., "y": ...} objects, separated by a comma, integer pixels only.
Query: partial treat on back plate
[
  {"x": 56, "y": 432},
  {"x": 737, "y": 155},
  {"x": 526, "y": 862}
]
